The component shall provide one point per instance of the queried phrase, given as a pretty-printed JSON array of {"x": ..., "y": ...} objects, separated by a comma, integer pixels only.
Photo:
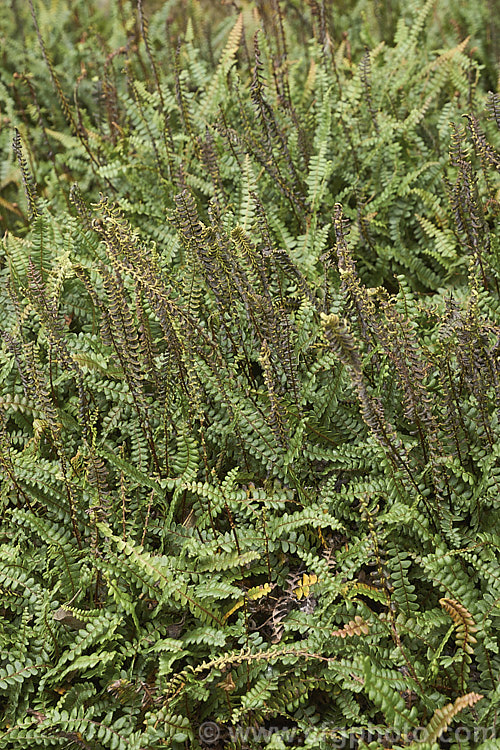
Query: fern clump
[{"x": 249, "y": 377}]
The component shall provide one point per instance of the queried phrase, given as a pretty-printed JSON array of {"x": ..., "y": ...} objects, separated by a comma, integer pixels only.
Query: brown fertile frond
[
  {"x": 273, "y": 134},
  {"x": 465, "y": 202},
  {"x": 83, "y": 211},
  {"x": 481, "y": 145},
  {"x": 277, "y": 417},
  {"x": 341, "y": 341},
  {"x": 60, "y": 93},
  {"x": 180, "y": 96},
  {"x": 25, "y": 175},
  {"x": 357, "y": 295},
  {"x": 167, "y": 134},
  {"x": 493, "y": 106}
]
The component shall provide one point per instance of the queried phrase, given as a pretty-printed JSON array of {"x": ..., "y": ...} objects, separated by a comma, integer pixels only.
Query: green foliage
[{"x": 249, "y": 374}]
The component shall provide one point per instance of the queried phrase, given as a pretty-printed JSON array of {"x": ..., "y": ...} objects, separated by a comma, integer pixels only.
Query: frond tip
[{"x": 341, "y": 340}]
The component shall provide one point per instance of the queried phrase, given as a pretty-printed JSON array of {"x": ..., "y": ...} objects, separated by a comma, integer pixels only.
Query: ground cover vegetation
[{"x": 249, "y": 374}]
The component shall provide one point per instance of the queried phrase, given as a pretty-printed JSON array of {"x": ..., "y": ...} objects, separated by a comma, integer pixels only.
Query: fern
[{"x": 249, "y": 374}]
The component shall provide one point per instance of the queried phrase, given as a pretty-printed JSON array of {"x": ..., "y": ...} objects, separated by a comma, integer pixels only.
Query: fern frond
[{"x": 444, "y": 716}]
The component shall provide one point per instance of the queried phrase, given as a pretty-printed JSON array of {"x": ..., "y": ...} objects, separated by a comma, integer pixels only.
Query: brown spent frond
[
  {"x": 354, "y": 627},
  {"x": 443, "y": 717},
  {"x": 464, "y": 622}
]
